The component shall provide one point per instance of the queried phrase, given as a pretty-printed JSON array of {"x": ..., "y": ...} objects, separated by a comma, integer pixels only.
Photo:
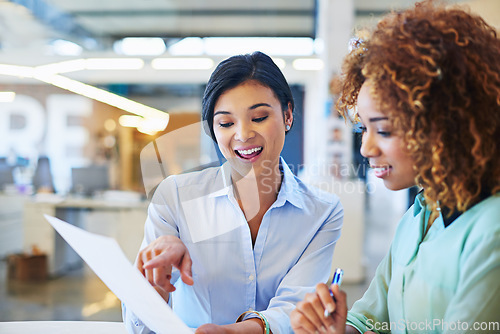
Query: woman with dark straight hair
[{"x": 233, "y": 248}]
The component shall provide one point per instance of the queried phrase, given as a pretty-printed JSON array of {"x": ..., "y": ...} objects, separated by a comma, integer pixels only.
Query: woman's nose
[
  {"x": 244, "y": 132},
  {"x": 369, "y": 147}
]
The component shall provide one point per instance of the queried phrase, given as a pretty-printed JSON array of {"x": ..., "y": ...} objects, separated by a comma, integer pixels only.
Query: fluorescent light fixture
[
  {"x": 105, "y": 97},
  {"x": 17, "y": 71},
  {"x": 65, "y": 48},
  {"x": 130, "y": 121},
  {"x": 228, "y": 46},
  {"x": 92, "y": 64},
  {"x": 140, "y": 46},
  {"x": 182, "y": 63},
  {"x": 147, "y": 126},
  {"x": 276, "y": 46},
  {"x": 154, "y": 116},
  {"x": 189, "y": 46},
  {"x": 7, "y": 96},
  {"x": 308, "y": 64},
  {"x": 114, "y": 64},
  {"x": 63, "y": 67}
]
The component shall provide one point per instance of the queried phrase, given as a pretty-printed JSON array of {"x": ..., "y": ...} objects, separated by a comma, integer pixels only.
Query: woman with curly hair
[{"x": 425, "y": 87}]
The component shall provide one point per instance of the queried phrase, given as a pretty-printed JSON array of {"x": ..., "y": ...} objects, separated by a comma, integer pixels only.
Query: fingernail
[
  {"x": 330, "y": 308},
  {"x": 332, "y": 329},
  {"x": 323, "y": 329}
]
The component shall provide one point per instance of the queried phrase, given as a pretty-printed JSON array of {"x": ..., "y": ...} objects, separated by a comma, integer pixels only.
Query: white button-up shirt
[{"x": 292, "y": 252}]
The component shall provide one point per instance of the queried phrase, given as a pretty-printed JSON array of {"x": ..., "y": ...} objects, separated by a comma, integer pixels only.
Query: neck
[
  {"x": 264, "y": 181},
  {"x": 256, "y": 193}
]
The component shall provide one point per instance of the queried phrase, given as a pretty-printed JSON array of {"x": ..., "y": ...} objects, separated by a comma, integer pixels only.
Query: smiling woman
[
  {"x": 381, "y": 145},
  {"x": 229, "y": 230},
  {"x": 426, "y": 88},
  {"x": 249, "y": 127}
]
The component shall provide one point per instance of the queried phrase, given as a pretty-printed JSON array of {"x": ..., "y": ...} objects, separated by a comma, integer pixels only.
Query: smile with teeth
[
  {"x": 381, "y": 171},
  {"x": 250, "y": 152}
]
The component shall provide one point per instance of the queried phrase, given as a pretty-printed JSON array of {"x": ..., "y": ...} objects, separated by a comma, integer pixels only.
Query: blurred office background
[{"x": 100, "y": 100}]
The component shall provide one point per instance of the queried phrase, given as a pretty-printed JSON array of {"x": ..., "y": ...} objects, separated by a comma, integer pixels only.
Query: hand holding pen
[
  {"x": 323, "y": 311},
  {"x": 337, "y": 280}
]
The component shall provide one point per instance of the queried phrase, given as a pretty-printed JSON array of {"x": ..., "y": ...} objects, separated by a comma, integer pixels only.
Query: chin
[{"x": 395, "y": 187}]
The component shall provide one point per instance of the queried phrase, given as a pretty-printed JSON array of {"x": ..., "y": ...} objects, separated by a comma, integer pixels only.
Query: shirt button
[
  {"x": 251, "y": 277},
  {"x": 250, "y": 309}
]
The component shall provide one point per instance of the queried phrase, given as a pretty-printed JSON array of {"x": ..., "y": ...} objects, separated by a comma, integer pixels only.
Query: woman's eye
[
  {"x": 225, "y": 125},
  {"x": 384, "y": 133},
  {"x": 259, "y": 119}
]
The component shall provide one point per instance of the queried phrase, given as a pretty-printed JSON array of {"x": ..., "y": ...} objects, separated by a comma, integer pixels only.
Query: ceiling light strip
[
  {"x": 103, "y": 96},
  {"x": 43, "y": 74}
]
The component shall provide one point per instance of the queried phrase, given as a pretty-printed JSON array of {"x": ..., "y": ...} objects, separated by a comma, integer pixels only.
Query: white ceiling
[
  {"x": 95, "y": 24},
  {"x": 28, "y": 26}
]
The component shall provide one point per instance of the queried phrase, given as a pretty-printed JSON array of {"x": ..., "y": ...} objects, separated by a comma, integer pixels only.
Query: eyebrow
[
  {"x": 222, "y": 113},
  {"x": 376, "y": 119},
  {"x": 255, "y": 106}
]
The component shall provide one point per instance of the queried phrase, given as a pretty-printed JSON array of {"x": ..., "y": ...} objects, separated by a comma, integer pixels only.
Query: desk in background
[
  {"x": 11, "y": 222},
  {"x": 123, "y": 221}
]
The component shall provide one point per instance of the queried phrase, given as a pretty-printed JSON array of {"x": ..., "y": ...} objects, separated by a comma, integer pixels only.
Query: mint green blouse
[{"x": 447, "y": 281}]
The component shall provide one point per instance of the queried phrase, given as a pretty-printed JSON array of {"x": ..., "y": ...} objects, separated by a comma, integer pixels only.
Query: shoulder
[
  {"x": 487, "y": 211},
  {"x": 481, "y": 232},
  {"x": 314, "y": 193},
  {"x": 314, "y": 201},
  {"x": 483, "y": 219}
]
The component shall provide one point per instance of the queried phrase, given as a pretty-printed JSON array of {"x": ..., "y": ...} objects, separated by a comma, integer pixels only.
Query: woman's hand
[
  {"x": 309, "y": 315},
  {"x": 210, "y": 329},
  {"x": 156, "y": 260}
]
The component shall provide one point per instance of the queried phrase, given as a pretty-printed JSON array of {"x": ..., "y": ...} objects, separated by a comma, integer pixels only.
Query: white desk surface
[{"x": 60, "y": 327}]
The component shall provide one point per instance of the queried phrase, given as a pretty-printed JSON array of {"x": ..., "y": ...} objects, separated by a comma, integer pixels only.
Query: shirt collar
[
  {"x": 419, "y": 203},
  {"x": 223, "y": 182},
  {"x": 289, "y": 190}
]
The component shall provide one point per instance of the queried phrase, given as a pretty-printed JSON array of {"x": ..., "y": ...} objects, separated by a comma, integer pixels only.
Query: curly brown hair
[{"x": 436, "y": 73}]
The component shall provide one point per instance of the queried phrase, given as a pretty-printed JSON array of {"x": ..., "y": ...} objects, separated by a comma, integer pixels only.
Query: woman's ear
[{"x": 288, "y": 116}]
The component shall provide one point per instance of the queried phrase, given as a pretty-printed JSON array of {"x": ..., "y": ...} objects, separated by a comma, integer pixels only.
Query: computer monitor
[
  {"x": 89, "y": 180},
  {"x": 42, "y": 178}
]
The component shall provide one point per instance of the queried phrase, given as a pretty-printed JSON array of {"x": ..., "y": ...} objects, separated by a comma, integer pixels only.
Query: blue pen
[{"x": 337, "y": 279}]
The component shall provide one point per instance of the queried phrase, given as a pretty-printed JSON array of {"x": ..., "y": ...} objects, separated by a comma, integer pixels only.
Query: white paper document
[{"x": 107, "y": 260}]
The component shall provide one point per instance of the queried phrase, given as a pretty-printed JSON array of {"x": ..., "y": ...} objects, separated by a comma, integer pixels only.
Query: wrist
[{"x": 258, "y": 319}]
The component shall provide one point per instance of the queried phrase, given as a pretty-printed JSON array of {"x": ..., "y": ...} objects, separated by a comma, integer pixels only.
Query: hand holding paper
[{"x": 104, "y": 256}]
